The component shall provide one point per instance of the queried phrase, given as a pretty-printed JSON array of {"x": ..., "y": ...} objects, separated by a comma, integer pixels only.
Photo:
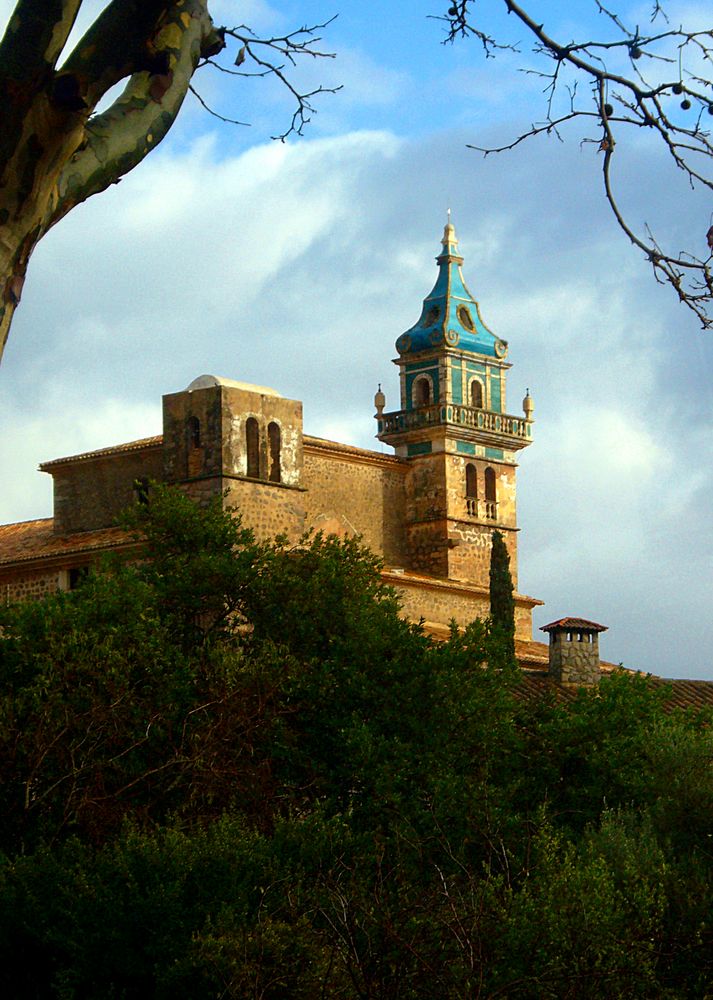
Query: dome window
[{"x": 466, "y": 320}]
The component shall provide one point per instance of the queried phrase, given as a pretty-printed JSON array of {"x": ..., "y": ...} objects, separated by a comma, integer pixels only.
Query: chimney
[{"x": 574, "y": 651}]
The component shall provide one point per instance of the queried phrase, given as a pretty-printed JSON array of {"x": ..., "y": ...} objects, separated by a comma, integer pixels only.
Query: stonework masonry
[
  {"x": 26, "y": 586},
  {"x": 90, "y": 492},
  {"x": 575, "y": 661}
]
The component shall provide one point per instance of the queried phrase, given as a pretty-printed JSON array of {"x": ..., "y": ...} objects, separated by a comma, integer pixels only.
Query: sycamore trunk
[{"x": 55, "y": 151}]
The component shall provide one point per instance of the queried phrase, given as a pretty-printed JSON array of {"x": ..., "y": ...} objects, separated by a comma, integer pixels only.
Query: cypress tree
[{"x": 502, "y": 605}]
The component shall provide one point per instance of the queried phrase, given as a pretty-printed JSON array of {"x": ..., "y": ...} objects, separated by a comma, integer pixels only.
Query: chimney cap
[{"x": 573, "y": 625}]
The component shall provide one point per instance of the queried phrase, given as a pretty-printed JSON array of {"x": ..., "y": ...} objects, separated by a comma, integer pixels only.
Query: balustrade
[
  {"x": 454, "y": 413},
  {"x": 487, "y": 509}
]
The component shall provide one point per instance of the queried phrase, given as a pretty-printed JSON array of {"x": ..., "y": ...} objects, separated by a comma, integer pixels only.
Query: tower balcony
[
  {"x": 470, "y": 423},
  {"x": 481, "y": 509}
]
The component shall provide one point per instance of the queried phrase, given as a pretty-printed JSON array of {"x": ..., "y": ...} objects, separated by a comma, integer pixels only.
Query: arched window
[
  {"x": 252, "y": 441},
  {"x": 193, "y": 426},
  {"x": 422, "y": 392},
  {"x": 490, "y": 493},
  {"x": 471, "y": 481},
  {"x": 471, "y": 489},
  {"x": 476, "y": 393},
  {"x": 273, "y": 440}
]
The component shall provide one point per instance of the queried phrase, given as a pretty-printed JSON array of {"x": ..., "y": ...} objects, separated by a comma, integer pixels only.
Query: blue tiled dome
[{"x": 450, "y": 316}]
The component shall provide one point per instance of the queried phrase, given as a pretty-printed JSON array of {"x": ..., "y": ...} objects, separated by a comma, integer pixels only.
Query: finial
[
  {"x": 528, "y": 406},
  {"x": 449, "y": 231},
  {"x": 379, "y": 402}
]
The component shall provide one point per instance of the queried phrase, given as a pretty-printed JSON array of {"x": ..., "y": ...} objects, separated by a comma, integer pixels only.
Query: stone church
[{"x": 429, "y": 510}]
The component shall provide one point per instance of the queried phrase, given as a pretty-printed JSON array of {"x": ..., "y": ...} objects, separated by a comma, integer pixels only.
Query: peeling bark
[{"x": 54, "y": 153}]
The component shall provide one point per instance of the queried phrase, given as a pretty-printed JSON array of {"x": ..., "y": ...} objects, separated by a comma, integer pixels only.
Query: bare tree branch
[
  {"x": 272, "y": 56},
  {"x": 673, "y": 111}
]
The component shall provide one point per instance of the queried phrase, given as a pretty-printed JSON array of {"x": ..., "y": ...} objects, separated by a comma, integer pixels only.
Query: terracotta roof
[
  {"x": 116, "y": 449},
  {"x": 30, "y": 540},
  {"x": 683, "y": 694},
  {"x": 580, "y": 624},
  {"x": 352, "y": 452},
  {"x": 314, "y": 443}
]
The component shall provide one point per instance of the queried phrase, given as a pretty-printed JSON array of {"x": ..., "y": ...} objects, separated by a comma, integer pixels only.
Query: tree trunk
[{"x": 49, "y": 160}]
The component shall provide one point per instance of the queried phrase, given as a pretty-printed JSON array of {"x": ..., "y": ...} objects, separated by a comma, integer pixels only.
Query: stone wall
[
  {"x": 29, "y": 585},
  {"x": 412, "y": 512},
  {"x": 426, "y": 515},
  {"x": 353, "y": 491},
  {"x": 439, "y": 601},
  {"x": 575, "y": 660},
  {"x": 90, "y": 493},
  {"x": 267, "y": 508}
]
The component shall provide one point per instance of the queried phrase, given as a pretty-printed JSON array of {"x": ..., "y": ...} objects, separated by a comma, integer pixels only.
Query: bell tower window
[
  {"x": 471, "y": 489},
  {"x": 476, "y": 393},
  {"x": 252, "y": 442},
  {"x": 194, "y": 432},
  {"x": 422, "y": 391},
  {"x": 273, "y": 440},
  {"x": 491, "y": 497}
]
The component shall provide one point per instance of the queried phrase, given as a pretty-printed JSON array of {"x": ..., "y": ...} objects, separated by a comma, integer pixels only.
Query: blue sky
[{"x": 298, "y": 265}]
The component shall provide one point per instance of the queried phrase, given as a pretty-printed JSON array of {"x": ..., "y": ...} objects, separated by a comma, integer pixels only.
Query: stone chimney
[{"x": 574, "y": 651}]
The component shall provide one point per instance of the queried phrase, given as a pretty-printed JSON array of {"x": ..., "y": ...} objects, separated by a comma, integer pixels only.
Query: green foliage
[
  {"x": 502, "y": 605},
  {"x": 232, "y": 770}
]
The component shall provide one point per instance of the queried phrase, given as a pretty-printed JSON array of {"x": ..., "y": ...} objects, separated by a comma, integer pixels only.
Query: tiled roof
[
  {"x": 684, "y": 694},
  {"x": 117, "y": 449},
  {"x": 311, "y": 443},
  {"x": 29, "y": 540},
  {"x": 574, "y": 623}
]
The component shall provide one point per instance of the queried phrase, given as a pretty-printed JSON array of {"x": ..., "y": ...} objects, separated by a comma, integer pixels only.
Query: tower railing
[
  {"x": 487, "y": 509},
  {"x": 456, "y": 414}
]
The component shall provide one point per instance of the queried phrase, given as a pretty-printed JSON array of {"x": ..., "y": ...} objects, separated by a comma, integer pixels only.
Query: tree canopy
[{"x": 231, "y": 768}]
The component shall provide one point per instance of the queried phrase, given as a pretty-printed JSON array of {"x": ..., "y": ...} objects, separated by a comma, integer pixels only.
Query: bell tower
[{"x": 454, "y": 431}]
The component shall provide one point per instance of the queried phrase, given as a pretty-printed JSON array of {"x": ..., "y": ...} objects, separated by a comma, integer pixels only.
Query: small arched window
[
  {"x": 422, "y": 392},
  {"x": 490, "y": 493},
  {"x": 252, "y": 442},
  {"x": 476, "y": 393},
  {"x": 273, "y": 440},
  {"x": 193, "y": 427},
  {"x": 471, "y": 481}
]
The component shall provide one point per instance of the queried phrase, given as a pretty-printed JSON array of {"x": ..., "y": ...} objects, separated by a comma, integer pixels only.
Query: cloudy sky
[{"x": 297, "y": 265}]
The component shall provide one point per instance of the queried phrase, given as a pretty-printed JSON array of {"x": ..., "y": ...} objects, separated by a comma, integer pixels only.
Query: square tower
[{"x": 242, "y": 442}]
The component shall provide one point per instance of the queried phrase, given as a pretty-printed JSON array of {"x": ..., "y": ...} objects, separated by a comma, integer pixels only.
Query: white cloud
[
  {"x": 58, "y": 426},
  {"x": 298, "y": 266}
]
